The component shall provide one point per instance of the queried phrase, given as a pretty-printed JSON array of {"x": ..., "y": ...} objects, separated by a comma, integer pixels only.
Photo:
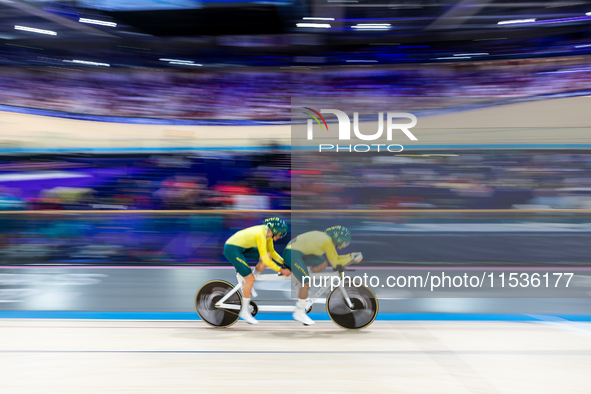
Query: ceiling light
[
  {"x": 453, "y": 58},
  {"x": 510, "y": 22},
  {"x": 372, "y": 26},
  {"x": 186, "y": 64},
  {"x": 97, "y": 22},
  {"x": 177, "y": 61},
  {"x": 88, "y": 63},
  {"x": 33, "y": 30},
  {"x": 314, "y": 25}
]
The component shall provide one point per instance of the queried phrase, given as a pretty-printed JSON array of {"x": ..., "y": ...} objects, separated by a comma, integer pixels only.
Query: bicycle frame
[{"x": 278, "y": 308}]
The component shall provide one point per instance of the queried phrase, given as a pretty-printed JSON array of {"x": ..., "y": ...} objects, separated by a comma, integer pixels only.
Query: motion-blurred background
[{"x": 147, "y": 132}]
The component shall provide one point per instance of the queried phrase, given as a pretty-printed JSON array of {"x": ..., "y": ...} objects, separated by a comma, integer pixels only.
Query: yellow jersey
[
  {"x": 318, "y": 243},
  {"x": 256, "y": 237}
]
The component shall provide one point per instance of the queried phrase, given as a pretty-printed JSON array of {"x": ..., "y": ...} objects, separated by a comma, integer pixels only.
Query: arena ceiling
[{"x": 317, "y": 28}]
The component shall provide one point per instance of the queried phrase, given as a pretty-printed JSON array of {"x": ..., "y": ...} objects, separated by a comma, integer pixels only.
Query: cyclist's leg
[
  {"x": 253, "y": 254},
  {"x": 295, "y": 261},
  {"x": 235, "y": 255},
  {"x": 316, "y": 263}
]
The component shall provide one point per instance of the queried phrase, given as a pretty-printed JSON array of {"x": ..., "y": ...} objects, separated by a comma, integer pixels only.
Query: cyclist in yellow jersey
[
  {"x": 255, "y": 243},
  {"x": 310, "y": 249}
]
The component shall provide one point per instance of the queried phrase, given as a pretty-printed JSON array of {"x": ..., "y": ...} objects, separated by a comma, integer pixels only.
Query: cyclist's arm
[
  {"x": 262, "y": 247},
  {"x": 333, "y": 257},
  {"x": 271, "y": 250}
]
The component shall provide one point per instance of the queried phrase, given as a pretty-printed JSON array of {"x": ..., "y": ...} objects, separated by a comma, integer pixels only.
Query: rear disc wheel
[{"x": 211, "y": 293}]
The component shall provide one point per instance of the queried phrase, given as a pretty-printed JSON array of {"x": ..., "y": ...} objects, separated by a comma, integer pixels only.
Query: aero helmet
[
  {"x": 340, "y": 235},
  {"x": 277, "y": 226}
]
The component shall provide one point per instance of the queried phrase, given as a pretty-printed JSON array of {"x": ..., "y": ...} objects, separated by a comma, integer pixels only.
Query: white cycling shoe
[
  {"x": 301, "y": 316},
  {"x": 247, "y": 317}
]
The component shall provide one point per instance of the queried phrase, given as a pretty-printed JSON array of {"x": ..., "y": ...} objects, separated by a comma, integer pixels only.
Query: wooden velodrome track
[
  {"x": 555, "y": 121},
  {"x": 96, "y": 356}
]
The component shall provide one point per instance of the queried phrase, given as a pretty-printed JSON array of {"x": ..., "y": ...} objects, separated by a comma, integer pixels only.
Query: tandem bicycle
[{"x": 351, "y": 307}]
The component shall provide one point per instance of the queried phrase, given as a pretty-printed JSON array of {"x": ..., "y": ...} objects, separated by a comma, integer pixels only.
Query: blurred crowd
[
  {"x": 267, "y": 95},
  {"x": 45, "y": 203},
  {"x": 72, "y": 187},
  {"x": 510, "y": 180},
  {"x": 222, "y": 181},
  {"x": 274, "y": 179}
]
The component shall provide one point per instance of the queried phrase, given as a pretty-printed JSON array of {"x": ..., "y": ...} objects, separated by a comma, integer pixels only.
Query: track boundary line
[{"x": 190, "y": 316}]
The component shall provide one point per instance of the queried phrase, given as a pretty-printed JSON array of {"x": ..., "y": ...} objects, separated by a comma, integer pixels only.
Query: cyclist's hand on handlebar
[
  {"x": 356, "y": 257},
  {"x": 285, "y": 271}
]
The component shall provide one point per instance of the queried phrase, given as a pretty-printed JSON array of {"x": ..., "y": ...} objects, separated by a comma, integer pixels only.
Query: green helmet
[
  {"x": 340, "y": 235},
  {"x": 277, "y": 226}
]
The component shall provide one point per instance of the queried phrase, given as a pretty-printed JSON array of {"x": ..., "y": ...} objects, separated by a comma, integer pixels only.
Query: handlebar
[
  {"x": 341, "y": 268},
  {"x": 282, "y": 266}
]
